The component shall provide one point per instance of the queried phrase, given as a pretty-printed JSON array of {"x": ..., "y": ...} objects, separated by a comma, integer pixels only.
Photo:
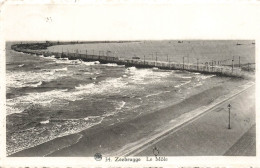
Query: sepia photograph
[
  {"x": 128, "y": 84},
  {"x": 121, "y": 98}
]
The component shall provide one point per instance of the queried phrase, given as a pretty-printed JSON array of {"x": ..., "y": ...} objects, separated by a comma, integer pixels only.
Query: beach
[
  {"x": 61, "y": 107},
  {"x": 107, "y": 140}
]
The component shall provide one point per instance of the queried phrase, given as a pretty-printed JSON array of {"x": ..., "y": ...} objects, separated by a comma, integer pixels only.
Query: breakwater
[{"x": 40, "y": 49}]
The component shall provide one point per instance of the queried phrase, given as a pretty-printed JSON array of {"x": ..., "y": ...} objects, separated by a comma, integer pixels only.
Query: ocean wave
[
  {"x": 206, "y": 76},
  {"x": 57, "y": 97},
  {"x": 61, "y": 69},
  {"x": 185, "y": 83},
  {"x": 11, "y": 110},
  {"x": 121, "y": 105},
  {"x": 87, "y": 86},
  {"x": 199, "y": 84},
  {"x": 45, "y": 122},
  {"x": 144, "y": 76},
  {"x": 77, "y": 61},
  {"x": 19, "y": 104},
  {"x": 37, "y": 135},
  {"x": 112, "y": 65},
  {"x": 108, "y": 85},
  {"x": 50, "y": 57},
  {"x": 20, "y": 65},
  {"x": 196, "y": 73},
  {"x": 20, "y": 79},
  {"x": 91, "y": 117},
  {"x": 65, "y": 59},
  {"x": 154, "y": 94},
  {"x": 36, "y": 84},
  {"x": 91, "y": 63},
  {"x": 186, "y": 77}
]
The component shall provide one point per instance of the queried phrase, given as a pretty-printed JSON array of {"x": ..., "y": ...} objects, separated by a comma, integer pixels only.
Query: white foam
[
  {"x": 21, "y": 65},
  {"x": 45, "y": 122},
  {"x": 109, "y": 85},
  {"x": 121, "y": 105},
  {"x": 51, "y": 57},
  {"x": 61, "y": 69},
  {"x": 37, "y": 84},
  {"x": 78, "y": 61},
  {"x": 87, "y": 86},
  {"x": 206, "y": 76},
  {"x": 185, "y": 83},
  {"x": 199, "y": 84},
  {"x": 12, "y": 110},
  {"x": 19, "y": 104},
  {"x": 144, "y": 76},
  {"x": 57, "y": 97},
  {"x": 91, "y": 117},
  {"x": 25, "y": 139},
  {"x": 25, "y": 79},
  {"x": 186, "y": 77},
  {"x": 90, "y": 63},
  {"x": 111, "y": 64},
  {"x": 131, "y": 69},
  {"x": 65, "y": 59},
  {"x": 154, "y": 94}
]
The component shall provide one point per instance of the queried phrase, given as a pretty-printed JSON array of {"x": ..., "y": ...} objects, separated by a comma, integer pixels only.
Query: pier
[{"x": 219, "y": 70}]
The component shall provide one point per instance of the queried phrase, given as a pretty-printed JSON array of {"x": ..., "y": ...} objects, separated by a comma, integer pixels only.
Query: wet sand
[{"x": 107, "y": 140}]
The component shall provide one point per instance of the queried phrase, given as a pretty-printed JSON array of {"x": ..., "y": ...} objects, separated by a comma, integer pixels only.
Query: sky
[{"x": 130, "y": 21}]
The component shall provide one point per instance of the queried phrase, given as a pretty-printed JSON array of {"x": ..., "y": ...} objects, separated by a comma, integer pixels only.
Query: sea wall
[{"x": 201, "y": 68}]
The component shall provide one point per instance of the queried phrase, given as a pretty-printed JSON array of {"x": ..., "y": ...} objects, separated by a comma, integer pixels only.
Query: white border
[{"x": 128, "y": 20}]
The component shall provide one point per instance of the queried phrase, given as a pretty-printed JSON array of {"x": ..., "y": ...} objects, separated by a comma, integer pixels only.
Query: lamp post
[
  {"x": 183, "y": 63},
  {"x": 197, "y": 64},
  {"x": 229, "y": 107}
]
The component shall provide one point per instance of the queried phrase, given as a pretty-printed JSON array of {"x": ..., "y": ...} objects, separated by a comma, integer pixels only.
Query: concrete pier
[{"x": 201, "y": 68}]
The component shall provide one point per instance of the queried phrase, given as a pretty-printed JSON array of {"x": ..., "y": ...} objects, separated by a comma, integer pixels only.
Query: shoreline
[{"x": 113, "y": 138}]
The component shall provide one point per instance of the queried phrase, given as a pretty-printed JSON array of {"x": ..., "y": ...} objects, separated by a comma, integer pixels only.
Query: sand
[
  {"x": 209, "y": 135},
  {"x": 245, "y": 146}
]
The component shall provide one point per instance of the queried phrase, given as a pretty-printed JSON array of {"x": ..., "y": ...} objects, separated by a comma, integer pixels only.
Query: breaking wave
[
  {"x": 185, "y": 83},
  {"x": 144, "y": 76},
  {"x": 121, "y": 105},
  {"x": 31, "y": 79}
]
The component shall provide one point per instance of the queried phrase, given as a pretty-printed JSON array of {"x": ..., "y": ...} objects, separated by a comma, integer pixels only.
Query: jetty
[{"x": 220, "y": 70}]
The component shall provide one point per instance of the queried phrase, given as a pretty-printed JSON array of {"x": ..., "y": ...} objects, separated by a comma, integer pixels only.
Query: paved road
[{"x": 209, "y": 135}]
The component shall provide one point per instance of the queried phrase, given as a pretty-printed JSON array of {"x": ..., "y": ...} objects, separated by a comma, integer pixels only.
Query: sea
[{"x": 47, "y": 98}]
